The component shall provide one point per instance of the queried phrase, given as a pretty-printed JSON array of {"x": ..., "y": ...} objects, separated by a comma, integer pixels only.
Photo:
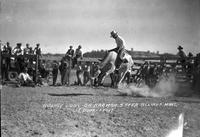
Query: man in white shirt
[
  {"x": 18, "y": 50},
  {"x": 25, "y": 79},
  {"x": 119, "y": 49},
  {"x": 119, "y": 41}
]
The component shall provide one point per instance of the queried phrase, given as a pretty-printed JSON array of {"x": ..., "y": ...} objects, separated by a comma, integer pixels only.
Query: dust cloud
[{"x": 165, "y": 87}]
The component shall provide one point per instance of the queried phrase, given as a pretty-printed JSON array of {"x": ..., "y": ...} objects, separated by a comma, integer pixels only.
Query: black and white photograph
[{"x": 100, "y": 68}]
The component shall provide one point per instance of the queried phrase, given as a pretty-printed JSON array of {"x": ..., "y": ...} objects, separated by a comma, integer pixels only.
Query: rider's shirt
[{"x": 120, "y": 42}]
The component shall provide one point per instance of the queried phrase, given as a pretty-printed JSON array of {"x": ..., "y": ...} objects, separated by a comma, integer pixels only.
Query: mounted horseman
[{"x": 117, "y": 62}]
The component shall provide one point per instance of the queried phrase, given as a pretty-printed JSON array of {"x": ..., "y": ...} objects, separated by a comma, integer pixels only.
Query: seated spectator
[
  {"x": 24, "y": 79},
  {"x": 42, "y": 69}
]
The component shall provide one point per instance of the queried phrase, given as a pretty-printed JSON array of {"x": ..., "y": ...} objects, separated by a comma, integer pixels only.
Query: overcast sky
[{"x": 155, "y": 25}]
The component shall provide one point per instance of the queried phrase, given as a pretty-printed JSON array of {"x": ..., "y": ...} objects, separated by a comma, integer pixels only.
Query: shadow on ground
[{"x": 72, "y": 94}]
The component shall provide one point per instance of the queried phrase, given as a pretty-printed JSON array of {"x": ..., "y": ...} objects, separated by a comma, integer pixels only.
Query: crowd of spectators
[
  {"x": 85, "y": 71},
  {"x": 17, "y": 60}
]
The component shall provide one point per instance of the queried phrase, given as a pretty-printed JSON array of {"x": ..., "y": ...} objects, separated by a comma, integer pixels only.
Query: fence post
[
  {"x": 0, "y": 64},
  {"x": 70, "y": 61},
  {"x": 36, "y": 70}
]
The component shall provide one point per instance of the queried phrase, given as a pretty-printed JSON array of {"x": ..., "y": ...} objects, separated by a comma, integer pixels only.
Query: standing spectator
[
  {"x": 37, "y": 50},
  {"x": 94, "y": 73},
  {"x": 78, "y": 54},
  {"x": 86, "y": 73},
  {"x": 68, "y": 70},
  {"x": 0, "y": 65},
  {"x": 27, "y": 50},
  {"x": 18, "y": 50},
  {"x": 65, "y": 70},
  {"x": 182, "y": 57},
  {"x": 79, "y": 73},
  {"x": 8, "y": 48},
  {"x": 55, "y": 71},
  {"x": 8, "y": 59},
  {"x": 4, "y": 50},
  {"x": 19, "y": 59},
  {"x": 5, "y": 61},
  {"x": 61, "y": 68},
  {"x": 31, "y": 51},
  {"x": 189, "y": 65},
  {"x": 4, "y": 71},
  {"x": 196, "y": 74}
]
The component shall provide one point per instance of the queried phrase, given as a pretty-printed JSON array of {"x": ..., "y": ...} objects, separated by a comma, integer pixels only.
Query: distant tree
[{"x": 95, "y": 54}]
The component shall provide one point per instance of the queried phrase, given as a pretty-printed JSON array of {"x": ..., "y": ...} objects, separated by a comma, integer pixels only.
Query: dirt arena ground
[{"x": 93, "y": 112}]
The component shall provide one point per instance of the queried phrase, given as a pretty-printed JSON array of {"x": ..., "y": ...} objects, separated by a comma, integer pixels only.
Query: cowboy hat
[
  {"x": 180, "y": 47},
  {"x": 113, "y": 33},
  {"x": 190, "y": 54},
  {"x": 19, "y": 44}
]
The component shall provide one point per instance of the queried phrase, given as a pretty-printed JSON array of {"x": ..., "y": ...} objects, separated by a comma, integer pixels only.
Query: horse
[{"x": 108, "y": 66}]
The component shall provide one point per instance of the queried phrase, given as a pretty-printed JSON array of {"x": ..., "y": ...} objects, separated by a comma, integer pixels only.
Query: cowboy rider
[
  {"x": 119, "y": 49},
  {"x": 182, "y": 56},
  {"x": 70, "y": 52}
]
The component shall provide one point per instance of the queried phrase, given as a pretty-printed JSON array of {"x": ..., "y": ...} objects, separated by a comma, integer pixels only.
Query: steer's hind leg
[{"x": 122, "y": 75}]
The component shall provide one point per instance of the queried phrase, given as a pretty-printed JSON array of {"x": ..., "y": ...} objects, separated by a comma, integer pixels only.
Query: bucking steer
[{"x": 108, "y": 67}]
